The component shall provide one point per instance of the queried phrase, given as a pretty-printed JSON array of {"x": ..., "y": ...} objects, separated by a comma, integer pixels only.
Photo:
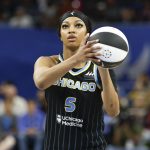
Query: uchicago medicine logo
[{"x": 69, "y": 121}]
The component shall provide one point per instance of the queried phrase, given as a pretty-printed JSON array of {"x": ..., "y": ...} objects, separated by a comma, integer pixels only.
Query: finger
[
  {"x": 90, "y": 43},
  {"x": 93, "y": 55},
  {"x": 96, "y": 49},
  {"x": 95, "y": 60},
  {"x": 85, "y": 39}
]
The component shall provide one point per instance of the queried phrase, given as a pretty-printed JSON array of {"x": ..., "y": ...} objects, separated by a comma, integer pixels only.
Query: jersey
[{"x": 75, "y": 115}]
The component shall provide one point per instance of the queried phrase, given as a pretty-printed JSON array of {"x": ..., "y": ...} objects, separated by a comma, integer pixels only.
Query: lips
[{"x": 71, "y": 38}]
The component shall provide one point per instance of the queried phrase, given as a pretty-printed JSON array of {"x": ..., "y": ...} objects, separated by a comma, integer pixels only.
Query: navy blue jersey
[{"x": 75, "y": 114}]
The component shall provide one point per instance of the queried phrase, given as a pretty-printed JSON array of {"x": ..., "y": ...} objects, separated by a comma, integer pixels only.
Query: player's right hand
[{"x": 87, "y": 51}]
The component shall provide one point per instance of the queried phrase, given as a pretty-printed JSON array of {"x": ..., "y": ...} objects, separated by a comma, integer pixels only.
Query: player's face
[{"x": 72, "y": 31}]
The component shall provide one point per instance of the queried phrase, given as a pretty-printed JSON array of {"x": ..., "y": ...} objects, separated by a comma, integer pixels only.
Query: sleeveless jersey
[{"x": 75, "y": 116}]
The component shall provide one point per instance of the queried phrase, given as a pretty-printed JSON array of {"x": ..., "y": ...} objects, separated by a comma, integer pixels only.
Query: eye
[
  {"x": 79, "y": 25},
  {"x": 64, "y": 26}
]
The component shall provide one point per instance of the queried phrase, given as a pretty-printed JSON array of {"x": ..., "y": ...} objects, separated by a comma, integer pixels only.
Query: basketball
[{"x": 114, "y": 46}]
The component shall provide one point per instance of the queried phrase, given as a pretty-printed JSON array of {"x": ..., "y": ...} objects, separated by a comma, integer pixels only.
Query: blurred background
[{"x": 28, "y": 29}]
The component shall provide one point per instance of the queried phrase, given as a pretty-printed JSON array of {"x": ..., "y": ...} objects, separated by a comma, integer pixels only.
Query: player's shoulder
[{"x": 48, "y": 59}]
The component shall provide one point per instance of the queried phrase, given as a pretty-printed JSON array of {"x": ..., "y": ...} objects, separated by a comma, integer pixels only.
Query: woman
[{"x": 73, "y": 92}]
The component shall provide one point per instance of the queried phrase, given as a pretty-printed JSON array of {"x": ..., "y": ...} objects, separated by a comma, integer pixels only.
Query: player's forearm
[
  {"x": 46, "y": 78},
  {"x": 109, "y": 95}
]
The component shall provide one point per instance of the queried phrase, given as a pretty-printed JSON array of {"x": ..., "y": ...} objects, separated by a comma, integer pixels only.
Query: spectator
[
  {"x": 146, "y": 131},
  {"x": 9, "y": 92},
  {"x": 128, "y": 134},
  {"x": 7, "y": 7},
  {"x": 146, "y": 11},
  {"x": 139, "y": 95},
  {"x": 8, "y": 126},
  {"x": 127, "y": 15},
  {"x": 21, "y": 19},
  {"x": 1, "y": 102},
  {"x": 31, "y": 127}
]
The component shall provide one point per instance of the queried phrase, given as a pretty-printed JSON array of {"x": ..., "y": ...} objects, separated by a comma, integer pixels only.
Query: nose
[{"x": 71, "y": 29}]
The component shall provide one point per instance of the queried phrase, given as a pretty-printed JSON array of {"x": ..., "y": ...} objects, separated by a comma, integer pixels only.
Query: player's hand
[{"x": 87, "y": 51}]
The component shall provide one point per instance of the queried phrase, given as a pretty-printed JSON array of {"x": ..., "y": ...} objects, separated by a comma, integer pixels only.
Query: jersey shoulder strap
[{"x": 54, "y": 59}]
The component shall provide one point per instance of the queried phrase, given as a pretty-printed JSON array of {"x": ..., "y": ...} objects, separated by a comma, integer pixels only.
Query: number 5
[{"x": 69, "y": 104}]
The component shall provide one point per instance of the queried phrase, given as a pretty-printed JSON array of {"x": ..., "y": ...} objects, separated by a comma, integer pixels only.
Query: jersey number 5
[{"x": 69, "y": 104}]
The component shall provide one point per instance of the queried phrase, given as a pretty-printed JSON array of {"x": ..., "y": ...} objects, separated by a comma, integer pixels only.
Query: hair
[
  {"x": 8, "y": 82},
  {"x": 77, "y": 14}
]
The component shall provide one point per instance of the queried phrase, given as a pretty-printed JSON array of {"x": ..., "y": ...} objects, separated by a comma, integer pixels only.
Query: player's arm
[
  {"x": 47, "y": 72},
  {"x": 109, "y": 93}
]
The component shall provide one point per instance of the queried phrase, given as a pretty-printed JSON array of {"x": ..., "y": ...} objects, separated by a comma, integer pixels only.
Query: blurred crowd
[
  {"x": 22, "y": 120},
  {"x": 45, "y": 13},
  {"x": 131, "y": 129}
]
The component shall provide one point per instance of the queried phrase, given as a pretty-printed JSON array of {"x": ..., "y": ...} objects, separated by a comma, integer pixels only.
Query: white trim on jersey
[
  {"x": 96, "y": 76},
  {"x": 79, "y": 71}
]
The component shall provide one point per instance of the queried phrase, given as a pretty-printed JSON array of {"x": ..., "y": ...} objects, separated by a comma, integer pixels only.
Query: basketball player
[{"x": 76, "y": 90}]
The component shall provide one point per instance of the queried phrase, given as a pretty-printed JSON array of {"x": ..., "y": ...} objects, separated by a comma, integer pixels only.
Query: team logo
[
  {"x": 72, "y": 13},
  {"x": 69, "y": 121},
  {"x": 79, "y": 85},
  {"x": 89, "y": 74},
  {"x": 58, "y": 118}
]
